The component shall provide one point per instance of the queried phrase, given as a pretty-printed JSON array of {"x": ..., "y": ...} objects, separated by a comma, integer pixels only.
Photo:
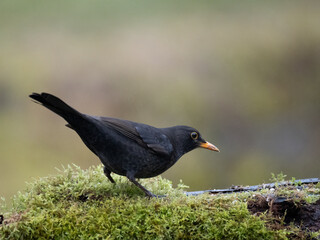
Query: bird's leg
[
  {"x": 134, "y": 181},
  {"x": 107, "y": 172}
]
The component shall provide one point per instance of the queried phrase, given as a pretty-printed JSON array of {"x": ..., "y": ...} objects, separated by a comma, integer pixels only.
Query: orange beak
[{"x": 209, "y": 146}]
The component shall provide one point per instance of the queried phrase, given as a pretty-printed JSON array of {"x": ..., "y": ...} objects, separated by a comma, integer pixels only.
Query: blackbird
[{"x": 127, "y": 148}]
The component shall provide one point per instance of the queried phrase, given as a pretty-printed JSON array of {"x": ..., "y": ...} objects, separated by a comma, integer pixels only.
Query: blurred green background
[{"x": 246, "y": 74}]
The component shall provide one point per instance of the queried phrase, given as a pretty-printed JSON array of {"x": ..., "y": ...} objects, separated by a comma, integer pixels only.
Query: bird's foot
[
  {"x": 148, "y": 193},
  {"x": 157, "y": 196}
]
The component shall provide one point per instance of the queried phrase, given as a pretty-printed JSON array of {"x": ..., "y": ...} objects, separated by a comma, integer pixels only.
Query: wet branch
[{"x": 233, "y": 189}]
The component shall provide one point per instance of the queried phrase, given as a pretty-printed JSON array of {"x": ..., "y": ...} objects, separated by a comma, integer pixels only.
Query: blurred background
[{"x": 246, "y": 74}]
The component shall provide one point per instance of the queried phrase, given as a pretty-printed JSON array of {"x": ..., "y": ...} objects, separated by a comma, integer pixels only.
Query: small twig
[{"x": 256, "y": 187}]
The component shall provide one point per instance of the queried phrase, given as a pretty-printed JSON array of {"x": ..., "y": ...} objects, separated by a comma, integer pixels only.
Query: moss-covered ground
[{"x": 83, "y": 204}]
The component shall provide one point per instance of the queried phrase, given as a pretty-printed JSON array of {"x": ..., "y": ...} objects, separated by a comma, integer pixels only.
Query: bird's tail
[{"x": 55, "y": 104}]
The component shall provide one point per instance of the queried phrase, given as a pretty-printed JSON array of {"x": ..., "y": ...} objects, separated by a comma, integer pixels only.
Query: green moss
[{"x": 83, "y": 204}]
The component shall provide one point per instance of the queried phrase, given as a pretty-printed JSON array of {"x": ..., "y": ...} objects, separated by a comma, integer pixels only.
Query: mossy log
[{"x": 83, "y": 204}]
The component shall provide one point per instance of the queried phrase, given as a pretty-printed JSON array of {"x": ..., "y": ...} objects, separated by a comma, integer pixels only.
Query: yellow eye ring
[{"x": 194, "y": 135}]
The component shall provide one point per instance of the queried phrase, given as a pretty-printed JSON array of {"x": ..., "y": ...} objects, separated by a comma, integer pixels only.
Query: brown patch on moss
[
  {"x": 310, "y": 216},
  {"x": 12, "y": 219},
  {"x": 284, "y": 211}
]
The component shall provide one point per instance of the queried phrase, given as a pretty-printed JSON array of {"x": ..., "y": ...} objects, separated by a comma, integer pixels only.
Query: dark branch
[{"x": 256, "y": 187}]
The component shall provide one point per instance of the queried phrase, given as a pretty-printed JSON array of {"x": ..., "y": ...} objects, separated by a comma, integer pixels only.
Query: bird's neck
[{"x": 180, "y": 146}]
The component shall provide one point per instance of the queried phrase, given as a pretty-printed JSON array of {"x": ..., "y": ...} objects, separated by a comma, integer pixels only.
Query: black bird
[{"x": 130, "y": 149}]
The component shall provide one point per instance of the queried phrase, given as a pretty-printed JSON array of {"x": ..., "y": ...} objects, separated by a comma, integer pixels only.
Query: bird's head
[{"x": 185, "y": 139}]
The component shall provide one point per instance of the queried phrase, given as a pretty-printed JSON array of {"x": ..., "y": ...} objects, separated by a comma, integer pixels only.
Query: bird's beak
[{"x": 209, "y": 146}]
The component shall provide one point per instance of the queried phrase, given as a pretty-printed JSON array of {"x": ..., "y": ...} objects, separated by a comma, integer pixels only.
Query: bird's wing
[
  {"x": 155, "y": 139},
  {"x": 147, "y": 136}
]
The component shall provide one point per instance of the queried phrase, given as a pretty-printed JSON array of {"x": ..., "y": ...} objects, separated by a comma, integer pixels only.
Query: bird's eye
[{"x": 194, "y": 135}]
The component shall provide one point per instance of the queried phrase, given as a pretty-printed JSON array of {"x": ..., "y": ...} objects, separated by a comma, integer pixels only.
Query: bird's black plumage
[{"x": 124, "y": 147}]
